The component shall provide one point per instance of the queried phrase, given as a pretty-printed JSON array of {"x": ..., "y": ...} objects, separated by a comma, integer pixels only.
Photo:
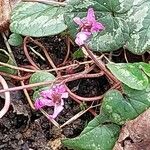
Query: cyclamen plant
[{"x": 127, "y": 31}]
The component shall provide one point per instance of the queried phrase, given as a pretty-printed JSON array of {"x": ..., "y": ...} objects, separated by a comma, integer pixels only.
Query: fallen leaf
[
  {"x": 135, "y": 135},
  {"x": 5, "y": 9}
]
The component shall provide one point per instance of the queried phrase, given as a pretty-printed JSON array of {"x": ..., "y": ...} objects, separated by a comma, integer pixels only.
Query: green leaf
[
  {"x": 145, "y": 67},
  {"x": 37, "y": 19},
  {"x": 129, "y": 74},
  {"x": 121, "y": 108},
  {"x": 78, "y": 54},
  {"x": 126, "y": 23},
  {"x": 15, "y": 39},
  {"x": 36, "y": 93},
  {"x": 96, "y": 136},
  {"x": 6, "y": 58},
  {"x": 139, "y": 17},
  {"x": 41, "y": 77}
]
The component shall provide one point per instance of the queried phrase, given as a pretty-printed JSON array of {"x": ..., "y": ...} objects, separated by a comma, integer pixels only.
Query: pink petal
[
  {"x": 78, "y": 21},
  {"x": 96, "y": 27},
  {"x": 81, "y": 37},
  {"x": 41, "y": 102},
  {"x": 64, "y": 95},
  {"x": 62, "y": 102},
  {"x": 61, "y": 88},
  {"x": 90, "y": 15},
  {"x": 57, "y": 110},
  {"x": 46, "y": 93}
]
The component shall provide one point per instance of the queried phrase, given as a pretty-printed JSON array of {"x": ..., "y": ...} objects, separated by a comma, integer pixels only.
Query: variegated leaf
[
  {"x": 139, "y": 17},
  {"x": 36, "y": 19},
  {"x": 126, "y": 23}
]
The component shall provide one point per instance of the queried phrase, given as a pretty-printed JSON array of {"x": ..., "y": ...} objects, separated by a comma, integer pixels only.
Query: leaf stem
[{"x": 7, "y": 98}]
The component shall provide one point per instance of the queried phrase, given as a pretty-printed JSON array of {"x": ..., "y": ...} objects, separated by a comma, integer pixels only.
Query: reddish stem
[
  {"x": 100, "y": 64},
  {"x": 79, "y": 102},
  {"x": 86, "y": 99},
  {"x": 27, "y": 53},
  {"x": 7, "y": 98},
  {"x": 15, "y": 77}
]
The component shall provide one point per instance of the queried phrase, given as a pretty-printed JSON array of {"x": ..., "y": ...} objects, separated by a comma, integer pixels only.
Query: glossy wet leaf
[
  {"x": 129, "y": 74},
  {"x": 96, "y": 136},
  {"x": 36, "y": 19},
  {"x": 6, "y": 58},
  {"x": 126, "y": 23},
  {"x": 41, "y": 77},
  {"x": 121, "y": 108}
]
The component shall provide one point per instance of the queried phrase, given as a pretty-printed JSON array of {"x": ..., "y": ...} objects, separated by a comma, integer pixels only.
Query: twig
[
  {"x": 100, "y": 65},
  {"x": 8, "y": 46},
  {"x": 49, "y": 70},
  {"x": 75, "y": 117},
  {"x": 47, "y": 116},
  {"x": 57, "y": 80},
  {"x": 26, "y": 86},
  {"x": 125, "y": 55},
  {"x": 7, "y": 98},
  {"x": 83, "y": 75},
  {"x": 22, "y": 83},
  {"x": 18, "y": 68},
  {"x": 27, "y": 96},
  {"x": 38, "y": 54}
]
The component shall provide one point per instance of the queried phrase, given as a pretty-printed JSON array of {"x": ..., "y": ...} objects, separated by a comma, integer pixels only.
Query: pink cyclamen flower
[
  {"x": 52, "y": 97},
  {"x": 88, "y": 26}
]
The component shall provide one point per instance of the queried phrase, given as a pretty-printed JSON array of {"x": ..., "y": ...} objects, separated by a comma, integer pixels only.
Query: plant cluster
[{"x": 94, "y": 25}]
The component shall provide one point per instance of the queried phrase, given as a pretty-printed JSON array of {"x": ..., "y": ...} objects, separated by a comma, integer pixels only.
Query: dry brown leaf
[
  {"x": 6, "y": 7},
  {"x": 135, "y": 135}
]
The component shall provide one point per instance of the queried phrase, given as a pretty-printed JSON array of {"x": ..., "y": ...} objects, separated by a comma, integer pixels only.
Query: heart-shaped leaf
[
  {"x": 15, "y": 39},
  {"x": 41, "y": 77},
  {"x": 95, "y": 136},
  {"x": 126, "y": 23},
  {"x": 36, "y": 19},
  {"x": 121, "y": 108},
  {"x": 130, "y": 74}
]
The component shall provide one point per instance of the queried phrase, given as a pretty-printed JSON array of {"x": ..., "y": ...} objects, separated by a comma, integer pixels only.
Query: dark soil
[{"x": 23, "y": 129}]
